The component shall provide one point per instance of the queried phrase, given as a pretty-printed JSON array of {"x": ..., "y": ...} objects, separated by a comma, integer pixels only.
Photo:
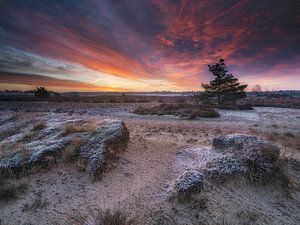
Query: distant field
[{"x": 285, "y": 99}]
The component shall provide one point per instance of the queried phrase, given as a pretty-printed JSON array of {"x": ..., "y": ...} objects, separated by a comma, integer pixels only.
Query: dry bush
[
  {"x": 9, "y": 132},
  {"x": 242, "y": 217},
  {"x": 289, "y": 134},
  {"x": 77, "y": 128},
  {"x": 236, "y": 106},
  {"x": 225, "y": 221},
  {"x": 293, "y": 171},
  {"x": 39, "y": 125},
  {"x": 116, "y": 217},
  {"x": 27, "y": 137},
  {"x": 275, "y": 101},
  {"x": 199, "y": 202},
  {"x": 11, "y": 190},
  {"x": 263, "y": 167},
  {"x": 12, "y": 148},
  {"x": 272, "y": 136},
  {"x": 72, "y": 150},
  {"x": 182, "y": 110},
  {"x": 9, "y": 119},
  {"x": 287, "y": 139},
  {"x": 37, "y": 203},
  {"x": 102, "y": 217},
  {"x": 266, "y": 169},
  {"x": 162, "y": 109}
]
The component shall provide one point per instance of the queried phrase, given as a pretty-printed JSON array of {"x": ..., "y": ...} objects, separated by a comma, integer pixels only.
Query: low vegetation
[
  {"x": 11, "y": 149},
  {"x": 77, "y": 128},
  {"x": 71, "y": 151},
  {"x": 37, "y": 203},
  {"x": 9, "y": 132},
  {"x": 234, "y": 156},
  {"x": 187, "y": 111},
  {"x": 10, "y": 190},
  {"x": 274, "y": 100},
  {"x": 28, "y": 137},
  {"x": 41, "y": 93},
  {"x": 102, "y": 217},
  {"x": 39, "y": 125}
]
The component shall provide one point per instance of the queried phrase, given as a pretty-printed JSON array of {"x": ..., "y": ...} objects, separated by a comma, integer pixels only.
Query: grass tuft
[
  {"x": 37, "y": 203},
  {"x": 39, "y": 126},
  {"x": 10, "y": 191},
  {"x": 72, "y": 150},
  {"x": 102, "y": 217},
  {"x": 77, "y": 128}
]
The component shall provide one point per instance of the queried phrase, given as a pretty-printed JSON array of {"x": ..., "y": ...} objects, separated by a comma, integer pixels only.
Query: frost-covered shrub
[
  {"x": 233, "y": 155},
  {"x": 257, "y": 155},
  {"x": 224, "y": 166},
  {"x": 190, "y": 182}
]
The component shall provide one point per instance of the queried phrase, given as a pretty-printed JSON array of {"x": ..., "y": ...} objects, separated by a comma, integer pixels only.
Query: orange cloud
[{"x": 32, "y": 81}]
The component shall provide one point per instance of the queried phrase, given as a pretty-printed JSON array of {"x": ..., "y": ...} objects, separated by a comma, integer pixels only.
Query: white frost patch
[
  {"x": 194, "y": 158},
  {"x": 249, "y": 115}
]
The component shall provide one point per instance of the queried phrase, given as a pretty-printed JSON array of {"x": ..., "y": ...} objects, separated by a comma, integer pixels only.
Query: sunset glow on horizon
[{"x": 153, "y": 45}]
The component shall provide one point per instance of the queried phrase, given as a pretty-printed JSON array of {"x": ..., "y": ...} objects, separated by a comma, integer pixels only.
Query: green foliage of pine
[{"x": 224, "y": 86}]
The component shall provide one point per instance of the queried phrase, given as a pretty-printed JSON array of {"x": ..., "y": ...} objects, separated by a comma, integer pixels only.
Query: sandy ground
[{"x": 141, "y": 180}]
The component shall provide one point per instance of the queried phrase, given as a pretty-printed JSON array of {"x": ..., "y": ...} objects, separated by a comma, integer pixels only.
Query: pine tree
[
  {"x": 224, "y": 86},
  {"x": 41, "y": 92}
]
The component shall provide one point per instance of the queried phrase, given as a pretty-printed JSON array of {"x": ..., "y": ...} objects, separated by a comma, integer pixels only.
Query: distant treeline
[{"x": 287, "y": 99}]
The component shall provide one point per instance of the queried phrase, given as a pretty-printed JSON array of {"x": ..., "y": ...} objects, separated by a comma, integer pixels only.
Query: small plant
[
  {"x": 8, "y": 193},
  {"x": 41, "y": 92},
  {"x": 72, "y": 150},
  {"x": 102, "y": 217},
  {"x": 10, "y": 190},
  {"x": 272, "y": 136},
  {"x": 37, "y": 203},
  {"x": 200, "y": 202},
  {"x": 12, "y": 148},
  {"x": 8, "y": 132},
  {"x": 27, "y": 137},
  {"x": 289, "y": 134},
  {"x": 77, "y": 128},
  {"x": 39, "y": 126},
  {"x": 116, "y": 217}
]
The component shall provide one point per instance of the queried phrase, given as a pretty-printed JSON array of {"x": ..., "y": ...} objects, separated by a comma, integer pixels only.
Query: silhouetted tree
[
  {"x": 224, "y": 86},
  {"x": 257, "y": 88},
  {"x": 41, "y": 92}
]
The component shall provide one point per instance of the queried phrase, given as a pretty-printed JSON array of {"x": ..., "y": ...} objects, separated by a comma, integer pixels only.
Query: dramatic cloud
[
  {"x": 11, "y": 79},
  {"x": 149, "y": 45}
]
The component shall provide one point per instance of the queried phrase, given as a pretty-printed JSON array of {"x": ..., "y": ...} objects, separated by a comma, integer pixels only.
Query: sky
[{"x": 147, "y": 45}]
